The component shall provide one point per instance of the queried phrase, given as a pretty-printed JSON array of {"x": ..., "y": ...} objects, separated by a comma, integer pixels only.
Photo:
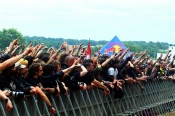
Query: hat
[
  {"x": 23, "y": 61},
  {"x": 19, "y": 65},
  {"x": 157, "y": 64}
]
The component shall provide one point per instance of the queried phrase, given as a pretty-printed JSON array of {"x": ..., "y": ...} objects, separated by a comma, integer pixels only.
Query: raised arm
[
  {"x": 13, "y": 60},
  {"x": 108, "y": 60},
  {"x": 52, "y": 57},
  {"x": 12, "y": 44},
  {"x": 77, "y": 50},
  {"x": 166, "y": 55},
  {"x": 139, "y": 58},
  {"x": 122, "y": 55}
]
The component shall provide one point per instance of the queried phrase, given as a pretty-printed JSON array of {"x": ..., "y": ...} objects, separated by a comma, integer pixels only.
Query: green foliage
[
  {"x": 135, "y": 46},
  {"x": 8, "y": 35},
  {"x": 56, "y": 42},
  {"x": 152, "y": 47}
]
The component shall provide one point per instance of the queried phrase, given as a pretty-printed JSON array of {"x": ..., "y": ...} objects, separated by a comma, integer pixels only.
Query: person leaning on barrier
[
  {"x": 69, "y": 77},
  {"x": 18, "y": 80},
  {"x": 6, "y": 63},
  {"x": 132, "y": 73},
  {"x": 33, "y": 77},
  {"x": 50, "y": 79},
  {"x": 8, "y": 72},
  {"x": 6, "y": 83},
  {"x": 89, "y": 78},
  {"x": 155, "y": 74},
  {"x": 57, "y": 69},
  {"x": 163, "y": 70},
  {"x": 171, "y": 67},
  {"x": 77, "y": 75}
]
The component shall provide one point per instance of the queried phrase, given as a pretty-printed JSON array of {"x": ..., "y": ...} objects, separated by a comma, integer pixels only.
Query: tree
[{"x": 7, "y": 35}]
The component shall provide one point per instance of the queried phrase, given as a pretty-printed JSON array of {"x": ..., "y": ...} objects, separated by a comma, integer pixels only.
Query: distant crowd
[{"x": 38, "y": 69}]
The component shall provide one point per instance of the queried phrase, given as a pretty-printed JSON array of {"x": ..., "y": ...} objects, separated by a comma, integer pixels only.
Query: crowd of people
[{"x": 37, "y": 69}]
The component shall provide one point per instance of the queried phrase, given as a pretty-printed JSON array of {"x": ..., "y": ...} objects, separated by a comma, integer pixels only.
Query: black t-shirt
[
  {"x": 88, "y": 78},
  {"x": 5, "y": 81},
  {"x": 50, "y": 81},
  {"x": 131, "y": 72},
  {"x": 149, "y": 70},
  {"x": 33, "y": 81},
  {"x": 20, "y": 83}
]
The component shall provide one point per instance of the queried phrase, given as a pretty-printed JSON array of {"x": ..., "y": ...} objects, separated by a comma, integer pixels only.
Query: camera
[{"x": 16, "y": 94}]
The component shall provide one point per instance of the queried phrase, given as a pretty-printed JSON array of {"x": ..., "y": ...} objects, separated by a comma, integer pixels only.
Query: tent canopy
[{"x": 114, "y": 44}]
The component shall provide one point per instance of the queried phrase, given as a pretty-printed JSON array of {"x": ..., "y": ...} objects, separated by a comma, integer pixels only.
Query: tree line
[{"x": 6, "y": 35}]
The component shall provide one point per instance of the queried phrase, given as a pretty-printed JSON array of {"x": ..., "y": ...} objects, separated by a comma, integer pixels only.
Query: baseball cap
[
  {"x": 19, "y": 65},
  {"x": 157, "y": 64}
]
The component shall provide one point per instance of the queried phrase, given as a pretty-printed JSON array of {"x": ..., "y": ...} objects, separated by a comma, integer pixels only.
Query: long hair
[
  {"x": 33, "y": 69},
  {"x": 55, "y": 64},
  {"x": 47, "y": 70}
]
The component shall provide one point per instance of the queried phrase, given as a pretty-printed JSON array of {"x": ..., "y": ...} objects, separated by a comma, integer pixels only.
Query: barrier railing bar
[
  {"x": 90, "y": 103},
  {"x": 108, "y": 105},
  {"x": 81, "y": 114},
  {"x": 46, "y": 109},
  {"x": 14, "y": 106},
  {"x": 81, "y": 94},
  {"x": 112, "y": 104},
  {"x": 25, "y": 107},
  {"x": 62, "y": 104},
  {"x": 36, "y": 105},
  {"x": 70, "y": 103},
  {"x": 2, "y": 108},
  {"x": 54, "y": 104},
  {"x": 96, "y": 102},
  {"x": 101, "y": 102}
]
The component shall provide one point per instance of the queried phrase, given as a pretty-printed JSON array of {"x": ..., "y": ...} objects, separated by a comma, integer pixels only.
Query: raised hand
[{"x": 28, "y": 50}]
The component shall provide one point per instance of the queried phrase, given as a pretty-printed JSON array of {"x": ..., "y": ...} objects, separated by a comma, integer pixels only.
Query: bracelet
[
  {"x": 6, "y": 100},
  {"x": 23, "y": 55},
  {"x": 50, "y": 107}
]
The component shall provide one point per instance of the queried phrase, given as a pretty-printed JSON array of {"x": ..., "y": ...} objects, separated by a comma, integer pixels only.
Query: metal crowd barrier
[{"x": 157, "y": 98}]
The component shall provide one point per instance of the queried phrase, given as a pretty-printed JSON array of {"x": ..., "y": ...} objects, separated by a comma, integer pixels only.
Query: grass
[{"x": 170, "y": 114}]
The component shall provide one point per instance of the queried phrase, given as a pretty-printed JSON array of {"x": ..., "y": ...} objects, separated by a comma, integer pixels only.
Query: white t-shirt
[{"x": 113, "y": 72}]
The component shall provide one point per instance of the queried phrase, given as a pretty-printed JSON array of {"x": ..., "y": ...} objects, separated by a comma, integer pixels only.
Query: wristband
[
  {"x": 23, "y": 55},
  {"x": 6, "y": 100},
  {"x": 50, "y": 107}
]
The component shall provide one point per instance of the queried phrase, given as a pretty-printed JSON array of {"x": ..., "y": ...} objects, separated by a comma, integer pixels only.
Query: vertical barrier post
[
  {"x": 14, "y": 106},
  {"x": 2, "y": 108},
  {"x": 36, "y": 105}
]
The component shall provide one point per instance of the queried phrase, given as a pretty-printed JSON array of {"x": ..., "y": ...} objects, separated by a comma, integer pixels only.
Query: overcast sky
[{"x": 135, "y": 20}]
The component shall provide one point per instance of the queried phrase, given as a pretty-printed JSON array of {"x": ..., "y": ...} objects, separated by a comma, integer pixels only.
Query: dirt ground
[{"x": 170, "y": 114}]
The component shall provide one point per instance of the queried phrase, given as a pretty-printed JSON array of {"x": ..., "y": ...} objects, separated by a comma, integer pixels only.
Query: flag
[
  {"x": 114, "y": 45},
  {"x": 88, "y": 56}
]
